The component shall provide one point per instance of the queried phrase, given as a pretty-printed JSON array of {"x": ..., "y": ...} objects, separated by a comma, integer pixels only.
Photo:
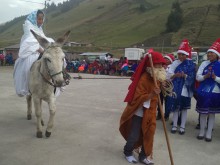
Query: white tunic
[
  {"x": 140, "y": 111},
  {"x": 27, "y": 55}
]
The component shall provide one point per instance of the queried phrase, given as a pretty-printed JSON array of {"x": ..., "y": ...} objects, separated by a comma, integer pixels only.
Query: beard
[{"x": 160, "y": 73}]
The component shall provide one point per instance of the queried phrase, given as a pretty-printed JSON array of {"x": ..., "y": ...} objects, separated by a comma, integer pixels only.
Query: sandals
[
  {"x": 182, "y": 131},
  {"x": 203, "y": 137},
  {"x": 173, "y": 130}
]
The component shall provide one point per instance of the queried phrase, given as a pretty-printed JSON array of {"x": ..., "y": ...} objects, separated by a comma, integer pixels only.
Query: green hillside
[{"x": 121, "y": 23}]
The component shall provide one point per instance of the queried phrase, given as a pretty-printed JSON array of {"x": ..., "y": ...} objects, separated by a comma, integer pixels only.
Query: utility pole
[
  {"x": 45, "y": 7},
  {"x": 45, "y": 4}
]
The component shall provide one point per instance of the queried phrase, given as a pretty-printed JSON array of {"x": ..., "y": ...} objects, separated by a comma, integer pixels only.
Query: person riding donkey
[{"x": 29, "y": 52}]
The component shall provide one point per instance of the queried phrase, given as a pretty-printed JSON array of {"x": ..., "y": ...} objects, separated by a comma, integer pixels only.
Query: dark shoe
[
  {"x": 173, "y": 130},
  {"x": 166, "y": 118},
  {"x": 208, "y": 139},
  {"x": 158, "y": 117},
  {"x": 200, "y": 137},
  {"x": 182, "y": 132},
  {"x": 198, "y": 126}
]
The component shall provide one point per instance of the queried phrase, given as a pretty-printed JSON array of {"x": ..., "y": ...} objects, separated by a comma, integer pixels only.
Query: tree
[
  {"x": 175, "y": 18},
  {"x": 142, "y": 8},
  {"x": 51, "y": 7}
]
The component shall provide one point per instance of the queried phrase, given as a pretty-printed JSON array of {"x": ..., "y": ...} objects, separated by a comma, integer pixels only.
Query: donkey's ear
[
  {"x": 60, "y": 41},
  {"x": 42, "y": 41}
]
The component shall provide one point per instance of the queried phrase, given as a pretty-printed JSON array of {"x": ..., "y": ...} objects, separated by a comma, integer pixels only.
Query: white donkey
[{"x": 45, "y": 75}]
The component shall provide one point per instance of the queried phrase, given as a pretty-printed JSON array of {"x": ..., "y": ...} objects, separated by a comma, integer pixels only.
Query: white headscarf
[
  {"x": 32, "y": 17},
  {"x": 29, "y": 45}
]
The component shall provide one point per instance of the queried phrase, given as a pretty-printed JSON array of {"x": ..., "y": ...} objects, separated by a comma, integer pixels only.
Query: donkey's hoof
[
  {"x": 47, "y": 134},
  {"x": 39, "y": 134},
  {"x": 29, "y": 117}
]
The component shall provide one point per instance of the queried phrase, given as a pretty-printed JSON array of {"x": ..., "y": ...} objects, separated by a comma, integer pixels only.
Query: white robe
[{"x": 27, "y": 55}]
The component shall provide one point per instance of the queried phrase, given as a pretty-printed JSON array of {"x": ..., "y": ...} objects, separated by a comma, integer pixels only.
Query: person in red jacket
[{"x": 138, "y": 121}]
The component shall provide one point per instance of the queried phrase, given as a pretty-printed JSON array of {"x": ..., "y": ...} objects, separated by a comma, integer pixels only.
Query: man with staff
[{"x": 138, "y": 121}]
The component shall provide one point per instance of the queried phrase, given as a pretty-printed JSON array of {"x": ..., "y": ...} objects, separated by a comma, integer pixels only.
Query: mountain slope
[{"x": 121, "y": 23}]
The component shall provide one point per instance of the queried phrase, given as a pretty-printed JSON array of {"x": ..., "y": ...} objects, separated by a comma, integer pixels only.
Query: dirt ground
[{"x": 86, "y": 128}]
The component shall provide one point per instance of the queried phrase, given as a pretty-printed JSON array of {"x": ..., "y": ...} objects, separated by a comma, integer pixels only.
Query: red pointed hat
[
  {"x": 170, "y": 57},
  {"x": 215, "y": 48},
  {"x": 184, "y": 47},
  {"x": 157, "y": 58}
]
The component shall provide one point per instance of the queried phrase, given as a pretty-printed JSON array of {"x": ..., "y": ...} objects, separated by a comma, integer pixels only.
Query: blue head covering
[{"x": 32, "y": 17}]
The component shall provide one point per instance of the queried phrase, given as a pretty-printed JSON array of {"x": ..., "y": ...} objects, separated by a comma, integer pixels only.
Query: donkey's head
[{"x": 52, "y": 61}]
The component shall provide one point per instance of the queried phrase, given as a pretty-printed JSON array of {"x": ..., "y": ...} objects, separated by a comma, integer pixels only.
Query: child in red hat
[
  {"x": 208, "y": 92},
  {"x": 169, "y": 58},
  {"x": 182, "y": 74}
]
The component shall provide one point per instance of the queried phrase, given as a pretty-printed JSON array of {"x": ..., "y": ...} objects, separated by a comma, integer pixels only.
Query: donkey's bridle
[{"x": 51, "y": 75}]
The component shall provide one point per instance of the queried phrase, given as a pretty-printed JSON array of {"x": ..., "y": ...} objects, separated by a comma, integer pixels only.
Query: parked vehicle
[
  {"x": 195, "y": 57},
  {"x": 92, "y": 56},
  {"x": 134, "y": 53},
  {"x": 199, "y": 57}
]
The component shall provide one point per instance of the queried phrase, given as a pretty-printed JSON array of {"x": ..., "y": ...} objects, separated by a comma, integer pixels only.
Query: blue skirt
[
  {"x": 208, "y": 103},
  {"x": 173, "y": 104}
]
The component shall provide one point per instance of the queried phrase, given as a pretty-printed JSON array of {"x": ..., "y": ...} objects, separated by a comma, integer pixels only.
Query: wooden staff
[{"x": 161, "y": 110}]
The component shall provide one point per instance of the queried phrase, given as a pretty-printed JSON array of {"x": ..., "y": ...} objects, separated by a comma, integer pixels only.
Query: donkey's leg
[
  {"x": 29, "y": 107},
  {"x": 52, "y": 109},
  {"x": 38, "y": 113}
]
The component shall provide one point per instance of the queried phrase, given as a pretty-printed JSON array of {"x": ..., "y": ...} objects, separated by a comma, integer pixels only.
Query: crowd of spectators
[
  {"x": 121, "y": 67},
  {"x": 108, "y": 66},
  {"x": 7, "y": 59}
]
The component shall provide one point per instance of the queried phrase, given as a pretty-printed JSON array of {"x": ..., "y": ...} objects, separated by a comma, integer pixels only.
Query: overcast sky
[{"x": 10, "y": 9}]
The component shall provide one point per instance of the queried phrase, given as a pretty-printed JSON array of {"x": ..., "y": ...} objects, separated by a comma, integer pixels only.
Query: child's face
[
  {"x": 168, "y": 62},
  {"x": 181, "y": 56},
  {"x": 40, "y": 19},
  {"x": 212, "y": 56}
]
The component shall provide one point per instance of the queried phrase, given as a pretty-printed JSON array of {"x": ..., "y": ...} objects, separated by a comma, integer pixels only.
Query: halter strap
[{"x": 51, "y": 75}]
